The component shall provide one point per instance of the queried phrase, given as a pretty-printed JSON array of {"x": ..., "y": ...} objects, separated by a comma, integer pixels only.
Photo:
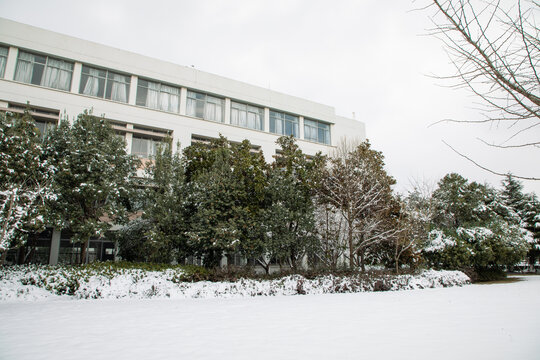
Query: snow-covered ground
[{"x": 497, "y": 321}]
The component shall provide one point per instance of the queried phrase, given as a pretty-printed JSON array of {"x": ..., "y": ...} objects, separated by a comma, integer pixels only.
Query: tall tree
[
  {"x": 288, "y": 217},
  {"x": 93, "y": 178},
  {"x": 358, "y": 186},
  {"x": 227, "y": 183},
  {"x": 165, "y": 208},
  {"x": 26, "y": 178},
  {"x": 527, "y": 208}
]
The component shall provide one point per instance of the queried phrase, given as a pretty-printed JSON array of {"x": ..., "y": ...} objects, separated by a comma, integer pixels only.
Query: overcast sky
[{"x": 367, "y": 57}]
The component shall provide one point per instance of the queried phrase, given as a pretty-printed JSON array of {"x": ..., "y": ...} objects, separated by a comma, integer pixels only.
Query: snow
[
  {"x": 496, "y": 321},
  {"x": 27, "y": 283}
]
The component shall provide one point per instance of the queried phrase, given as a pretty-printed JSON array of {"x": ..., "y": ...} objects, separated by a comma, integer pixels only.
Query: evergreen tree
[
  {"x": 26, "y": 178},
  {"x": 165, "y": 211},
  {"x": 227, "y": 184},
  {"x": 527, "y": 208},
  {"x": 93, "y": 178},
  {"x": 288, "y": 219},
  {"x": 471, "y": 227}
]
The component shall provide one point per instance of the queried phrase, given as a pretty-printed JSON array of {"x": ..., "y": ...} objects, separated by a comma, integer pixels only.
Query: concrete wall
[{"x": 25, "y": 37}]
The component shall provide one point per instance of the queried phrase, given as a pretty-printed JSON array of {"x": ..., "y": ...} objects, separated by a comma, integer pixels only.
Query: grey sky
[{"x": 368, "y": 57}]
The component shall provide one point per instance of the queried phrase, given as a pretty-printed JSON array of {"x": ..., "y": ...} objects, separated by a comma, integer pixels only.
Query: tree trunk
[
  {"x": 3, "y": 257},
  {"x": 351, "y": 250},
  {"x": 396, "y": 257},
  {"x": 362, "y": 261},
  {"x": 84, "y": 249}
]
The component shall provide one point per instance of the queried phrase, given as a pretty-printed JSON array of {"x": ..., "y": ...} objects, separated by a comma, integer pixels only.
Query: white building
[{"x": 147, "y": 99}]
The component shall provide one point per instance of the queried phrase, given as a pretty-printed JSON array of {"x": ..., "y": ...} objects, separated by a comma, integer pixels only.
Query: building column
[
  {"x": 11, "y": 63},
  {"x": 266, "y": 119},
  {"x": 183, "y": 100},
  {"x": 227, "y": 111},
  {"x": 76, "y": 78},
  {"x": 133, "y": 90},
  {"x": 55, "y": 247},
  {"x": 301, "y": 127},
  {"x": 129, "y": 138}
]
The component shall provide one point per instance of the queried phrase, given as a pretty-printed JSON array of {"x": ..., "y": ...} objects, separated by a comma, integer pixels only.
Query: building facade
[{"x": 57, "y": 76}]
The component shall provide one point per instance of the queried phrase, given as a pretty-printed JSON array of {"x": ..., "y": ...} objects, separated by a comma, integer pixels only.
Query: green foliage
[
  {"x": 472, "y": 228},
  {"x": 26, "y": 177},
  {"x": 92, "y": 178},
  {"x": 162, "y": 235}
]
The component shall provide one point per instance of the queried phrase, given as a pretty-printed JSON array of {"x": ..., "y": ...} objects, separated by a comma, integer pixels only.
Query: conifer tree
[{"x": 288, "y": 218}]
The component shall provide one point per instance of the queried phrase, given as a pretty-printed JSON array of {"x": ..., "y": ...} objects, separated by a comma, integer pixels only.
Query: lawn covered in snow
[{"x": 496, "y": 321}]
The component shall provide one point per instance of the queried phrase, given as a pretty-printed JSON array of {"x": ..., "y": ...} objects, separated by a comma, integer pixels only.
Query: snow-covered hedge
[{"x": 30, "y": 283}]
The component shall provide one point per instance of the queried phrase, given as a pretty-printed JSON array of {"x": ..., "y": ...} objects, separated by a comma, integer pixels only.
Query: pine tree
[
  {"x": 527, "y": 207},
  {"x": 93, "y": 178}
]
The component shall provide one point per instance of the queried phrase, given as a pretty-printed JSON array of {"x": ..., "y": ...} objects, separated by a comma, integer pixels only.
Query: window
[
  {"x": 43, "y": 70},
  {"x": 247, "y": 116},
  {"x": 317, "y": 131},
  {"x": 104, "y": 84},
  {"x": 204, "y": 106},
  {"x": 44, "y": 127},
  {"x": 158, "y": 96},
  {"x": 3, "y": 60},
  {"x": 144, "y": 147},
  {"x": 283, "y": 124}
]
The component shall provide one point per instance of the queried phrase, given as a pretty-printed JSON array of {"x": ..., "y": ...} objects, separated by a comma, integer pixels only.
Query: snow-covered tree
[
  {"x": 357, "y": 185},
  {"x": 93, "y": 177},
  {"x": 26, "y": 178},
  {"x": 527, "y": 208},
  {"x": 163, "y": 236},
  {"x": 472, "y": 228}
]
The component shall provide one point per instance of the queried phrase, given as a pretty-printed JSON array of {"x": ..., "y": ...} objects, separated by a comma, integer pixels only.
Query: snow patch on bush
[{"x": 44, "y": 283}]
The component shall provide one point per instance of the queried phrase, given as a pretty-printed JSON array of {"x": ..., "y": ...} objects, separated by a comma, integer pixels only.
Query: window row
[{"x": 57, "y": 74}]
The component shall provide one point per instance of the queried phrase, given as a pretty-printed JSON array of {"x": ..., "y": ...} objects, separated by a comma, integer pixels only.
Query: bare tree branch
[{"x": 485, "y": 168}]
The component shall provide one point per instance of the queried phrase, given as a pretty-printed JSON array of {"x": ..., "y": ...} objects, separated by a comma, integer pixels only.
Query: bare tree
[{"x": 496, "y": 54}]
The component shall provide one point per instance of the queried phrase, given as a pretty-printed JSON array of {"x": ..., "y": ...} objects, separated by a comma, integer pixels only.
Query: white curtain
[
  {"x": 210, "y": 111},
  {"x": 234, "y": 116},
  {"x": 190, "y": 107},
  {"x": 2, "y": 64},
  {"x": 169, "y": 98},
  {"x": 57, "y": 74},
  {"x": 219, "y": 112},
  {"x": 92, "y": 83},
  {"x": 24, "y": 68},
  {"x": 64, "y": 80},
  {"x": 252, "y": 121},
  {"x": 279, "y": 126},
  {"x": 119, "y": 89},
  {"x": 152, "y": 95},
  {"x": 242, "y": 121}
]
